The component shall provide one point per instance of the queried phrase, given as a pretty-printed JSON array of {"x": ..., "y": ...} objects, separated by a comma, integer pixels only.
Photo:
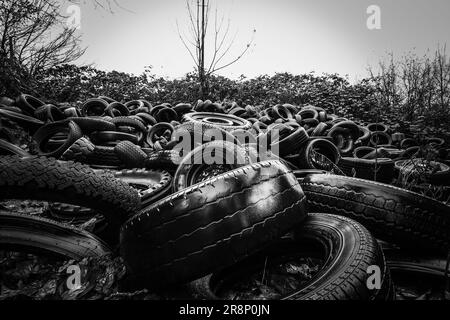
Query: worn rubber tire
[
  {"x": 112, "y": 138},
  {"x": 324, "y": 147},
  {"x": 129, "y": 122},
  {"x": 309, "y": 113},
  {"x": 424, "y": 263},
  {"x": 92, "y": 124},
  {"x": 163, "y": 159},
  {"x": 211, "y": 225},
  {"x": 49, "y": 112},
  {"x": 201, "y": 133},
  {"x": 379, "y": 138},
  {"x": 19, "y": 231},
  {"x": 130, "y": 154},
  {"x": 291, "y": 143},
  {"x": 47, "y": 179},
  {"x": 193, "y": 164},
  {"x": 152, "y": 185},
  {"x": 226, "y": 122},
  {"x": 30, "y": 123},
  {"x": 116, "y": 110},
  {"x": 148, "y": 119},
  {"x": 46, "y": 132},
  {"x": 282, "y": 112},
  {"x": 392, "y": 214},
  {"x": 319, "y": 130},
  {"x": 166, "y": 115},
  {"x": 28, "y": 104},
  {"x": 159, "y": 129},
  {"x": 381, "y": 170},
  {"x": 374, "y": 127},
  {"x": 103, "y": 156},
  {"x": 360, "y": 152},
  {"x": 349, "y": 249},
  {"x": 94, "y": 107},
  {"x": 7, "y": 148},
  {"x": 364, "y": 136}
]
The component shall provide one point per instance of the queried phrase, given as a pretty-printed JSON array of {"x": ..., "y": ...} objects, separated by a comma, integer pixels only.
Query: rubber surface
[
  {"x": 46, "y": 132},
  {"x": 20, "y": 232},
  {"x": 224, "y": 121},
  {"x": 392, "y": 214},
  {"x": 227, "y": 156},
  {"x": 211, "y": 224},
  {"x": 346, "y": 248},
  {"x": 152, "y": 185},
  {"x": 130, "y": 154},
  {"x": 7, "y": 148},
  {"x": 381, "y": 170},
  {"x": 47, "y": 179}
]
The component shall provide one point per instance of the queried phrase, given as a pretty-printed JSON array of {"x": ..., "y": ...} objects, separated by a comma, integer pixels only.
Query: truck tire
[
  {"x": 392, "y": 214},
  {"x": 346, "y": 248},
  {"x": 47, "y": 179},
  {"x": 210, "y": 225}
]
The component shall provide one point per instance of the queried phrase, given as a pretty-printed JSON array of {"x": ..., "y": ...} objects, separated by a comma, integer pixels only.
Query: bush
[{"x": 410, "y": 93}]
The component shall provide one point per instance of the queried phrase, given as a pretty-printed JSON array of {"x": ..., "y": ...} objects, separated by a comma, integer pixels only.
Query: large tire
[
  {"x": 47, "y": 179},
  {"x": 392, "y": 214},
  {"x": 346, "y": 248},
  {"x": 212, "y": 224},
  {"x": 33, "y": 233}
]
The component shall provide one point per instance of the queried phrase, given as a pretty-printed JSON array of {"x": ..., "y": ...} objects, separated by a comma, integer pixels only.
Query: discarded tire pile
[{"x": 203, "y": 197}]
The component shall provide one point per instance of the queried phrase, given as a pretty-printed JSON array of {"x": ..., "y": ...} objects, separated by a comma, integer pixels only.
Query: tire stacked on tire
[{"x": 178, "y": 219}]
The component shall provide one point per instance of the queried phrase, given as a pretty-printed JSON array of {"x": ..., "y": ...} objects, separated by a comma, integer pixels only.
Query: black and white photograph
[{"x": 224, "y": 158}]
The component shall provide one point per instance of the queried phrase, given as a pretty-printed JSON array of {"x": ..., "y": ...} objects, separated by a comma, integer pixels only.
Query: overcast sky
[{"x": 297, "y": 36}]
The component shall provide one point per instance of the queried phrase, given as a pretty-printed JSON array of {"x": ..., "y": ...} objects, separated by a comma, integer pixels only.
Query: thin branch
[{"x": 185, "y": 45}]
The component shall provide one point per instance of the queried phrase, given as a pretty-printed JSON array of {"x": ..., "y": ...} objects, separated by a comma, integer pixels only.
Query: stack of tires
[{"x": 285, "y": 182}]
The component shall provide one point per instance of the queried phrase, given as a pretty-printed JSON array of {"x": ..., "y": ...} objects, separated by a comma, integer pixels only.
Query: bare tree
[
  {"x": 199, "y": 12},
  {"x": 33, "y": 37},
  {"x": 415, "y": 86},
  {"x": 441, "y": 74}
]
